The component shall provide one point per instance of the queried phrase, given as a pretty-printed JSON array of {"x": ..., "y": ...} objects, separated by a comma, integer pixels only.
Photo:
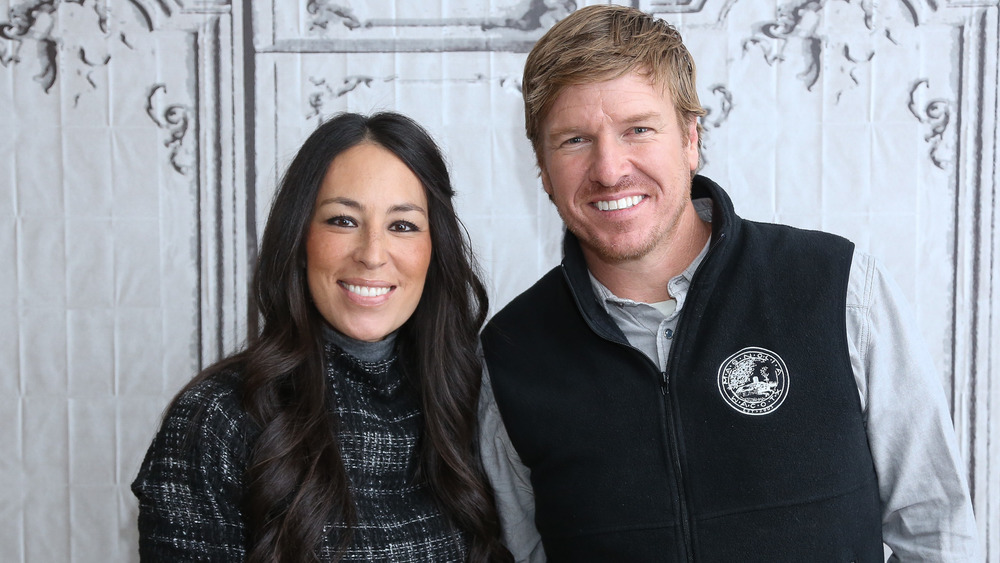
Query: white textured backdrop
[{"x": 141, "y": 140}]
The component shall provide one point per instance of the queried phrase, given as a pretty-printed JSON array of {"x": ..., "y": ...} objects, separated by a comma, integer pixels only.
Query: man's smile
[{"x": 616, "y": 204}]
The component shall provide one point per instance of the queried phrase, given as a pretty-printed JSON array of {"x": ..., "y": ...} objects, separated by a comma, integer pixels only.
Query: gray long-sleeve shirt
[{"x": 926, "y": 510}]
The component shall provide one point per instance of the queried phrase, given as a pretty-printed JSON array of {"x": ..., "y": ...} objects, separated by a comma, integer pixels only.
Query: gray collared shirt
[
  {"x": 926, "y": 510},
  {"x": 650, "y": 327}
]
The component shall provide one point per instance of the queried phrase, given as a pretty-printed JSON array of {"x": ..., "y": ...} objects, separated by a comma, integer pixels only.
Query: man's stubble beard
[{"x": 612, "y": 253}]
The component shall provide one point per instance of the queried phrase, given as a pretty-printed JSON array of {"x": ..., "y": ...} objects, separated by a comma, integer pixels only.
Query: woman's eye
[
  {"x": 403, "y": 227},
  {"x": 341, "y": 221}
]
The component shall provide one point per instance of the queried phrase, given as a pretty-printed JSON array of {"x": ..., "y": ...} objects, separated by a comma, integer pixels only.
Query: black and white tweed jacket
[{"x": 191, "y": 483}]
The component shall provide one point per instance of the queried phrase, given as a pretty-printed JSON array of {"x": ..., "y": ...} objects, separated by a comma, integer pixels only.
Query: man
[{"x": 688, "y": 385}]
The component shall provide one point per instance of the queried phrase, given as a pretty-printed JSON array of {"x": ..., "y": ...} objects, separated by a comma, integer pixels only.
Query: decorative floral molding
[
  {"x": 711, "y": 119},
  {"x": 324, "y": 13},
  {"x": 936, "y": 115},
  {"x": 35, "y": 24},
  {"x": 325, "y": 91},
  {"x": 795, "y": 34},
  {"x": 536, "y": 15},
  {"x": 176, "y": 120}
]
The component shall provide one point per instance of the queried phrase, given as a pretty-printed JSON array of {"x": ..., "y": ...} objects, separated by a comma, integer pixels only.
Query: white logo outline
[{"x": 753, "y": 381}]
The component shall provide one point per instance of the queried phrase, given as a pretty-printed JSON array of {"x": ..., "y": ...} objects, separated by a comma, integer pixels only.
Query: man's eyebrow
[
  {"x": 640, "y": 117},
  {"x": 573, "y": 130},
  {"x": 564, "y": 131}
]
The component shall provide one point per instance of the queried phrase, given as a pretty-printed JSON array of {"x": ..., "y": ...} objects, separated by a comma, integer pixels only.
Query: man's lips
[{"x": 618, "y": 204}]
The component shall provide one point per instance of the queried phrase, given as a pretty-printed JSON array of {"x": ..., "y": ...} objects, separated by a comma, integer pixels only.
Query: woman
[{"x": 346, "y": 429}]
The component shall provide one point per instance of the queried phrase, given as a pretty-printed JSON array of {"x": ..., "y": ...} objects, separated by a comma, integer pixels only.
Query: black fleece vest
[{"x": 751, "y": 447}]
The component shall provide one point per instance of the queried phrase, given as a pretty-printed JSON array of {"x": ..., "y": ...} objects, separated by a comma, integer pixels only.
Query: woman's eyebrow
[
  {"x": 342, "y": 201},
  {"x": 348, "y": 202},
  {"x": 405, "y": 207}
]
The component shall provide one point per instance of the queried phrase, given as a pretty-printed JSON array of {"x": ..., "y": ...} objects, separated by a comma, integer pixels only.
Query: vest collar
[{"x": 725, "y": 225}]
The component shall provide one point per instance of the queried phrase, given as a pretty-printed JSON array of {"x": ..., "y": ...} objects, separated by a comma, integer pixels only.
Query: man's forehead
[
  {"x": 610, "y": 99},
  {"x": 639, "y": 75}
]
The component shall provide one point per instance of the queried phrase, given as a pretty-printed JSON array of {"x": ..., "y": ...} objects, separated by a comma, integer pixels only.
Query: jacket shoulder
[
  {"x": 793, "y": 237},
  {"x": 204, "y": 426},
  {"x": 528, "y": 301}
]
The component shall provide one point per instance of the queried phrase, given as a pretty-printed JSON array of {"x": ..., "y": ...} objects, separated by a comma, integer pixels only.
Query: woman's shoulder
[
  {"x": 220, "y": 391},
  {"x": 211, "y": 407},
  {"x": 191, "y": 482},
  {"x": 205, "y": 426},
  {"x": 206, "y": 420}
]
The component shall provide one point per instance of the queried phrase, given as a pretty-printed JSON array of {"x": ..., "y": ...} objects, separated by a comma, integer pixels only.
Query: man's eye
[
  {"x": 641, "y": 130},
  {"x": 573, "y": 141},
  {"x": 341, "y": 221},
  {"x": 403, "y": 227}
]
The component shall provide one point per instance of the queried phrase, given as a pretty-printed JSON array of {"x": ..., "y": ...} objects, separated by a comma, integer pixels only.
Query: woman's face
[{"x": 369, "y": 243}]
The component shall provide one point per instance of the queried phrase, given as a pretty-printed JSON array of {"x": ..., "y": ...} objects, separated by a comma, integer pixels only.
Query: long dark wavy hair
[{"x": 296, "y": 478}]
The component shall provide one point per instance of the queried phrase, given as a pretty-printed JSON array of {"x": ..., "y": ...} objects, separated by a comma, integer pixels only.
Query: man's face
[{"x": 617, "y": 163}]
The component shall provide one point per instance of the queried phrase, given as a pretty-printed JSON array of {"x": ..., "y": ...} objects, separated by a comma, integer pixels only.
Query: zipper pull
[{"x": 663, "y": 383}]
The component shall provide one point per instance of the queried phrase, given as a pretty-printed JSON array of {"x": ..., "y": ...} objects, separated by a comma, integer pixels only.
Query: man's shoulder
[
  {"x": 536, "y": 315},
  {"x": 779, "y": 241},
  {"x": 527, "y": 302},
  {"x": 782, "y": 230}
]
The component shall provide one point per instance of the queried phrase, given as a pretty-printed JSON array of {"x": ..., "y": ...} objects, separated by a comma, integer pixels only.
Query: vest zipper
[{"x": 687, "y": 541}]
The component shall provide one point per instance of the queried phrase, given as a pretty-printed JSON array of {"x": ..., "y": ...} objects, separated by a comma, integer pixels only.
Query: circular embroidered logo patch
[{"x": 754, "y": 381}]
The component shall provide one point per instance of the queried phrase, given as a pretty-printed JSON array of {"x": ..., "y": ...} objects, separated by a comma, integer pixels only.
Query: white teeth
[
  {"x": 623, "y": 203},
  {"x": 365, "y": 291}
]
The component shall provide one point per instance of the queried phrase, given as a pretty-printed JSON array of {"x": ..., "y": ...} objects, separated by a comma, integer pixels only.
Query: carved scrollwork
[
  {"x": 325, "y": 91},
  {"x": 535, "y": 15},
  {"x": 324, "y": 13},
  {"x": 793, "y": 24},
  {"x": 540, "y": 14},
  {"x": 34, "y": 24},
  {"x": 935, "y": 114},
  {"x": 715, "y": 119},
  {"x": 176, "y": 120},
  {"x": 715, "y": 116},
  {"x": 794, "y": 34}
]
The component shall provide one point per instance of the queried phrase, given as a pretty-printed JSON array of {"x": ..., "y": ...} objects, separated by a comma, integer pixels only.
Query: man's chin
[{"x": 617, "y": 252}]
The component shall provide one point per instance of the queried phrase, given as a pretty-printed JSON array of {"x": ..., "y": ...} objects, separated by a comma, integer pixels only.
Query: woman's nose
[{"x": 371, "y": 249}]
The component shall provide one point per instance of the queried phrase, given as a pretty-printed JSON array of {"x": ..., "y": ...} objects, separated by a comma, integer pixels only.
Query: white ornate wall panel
[
  {"x": 118, "y": 189},
  {"x": 141, "y": 141}
]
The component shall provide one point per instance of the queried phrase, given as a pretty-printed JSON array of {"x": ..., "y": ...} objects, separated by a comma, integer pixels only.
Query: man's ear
[{"x": 691, "y": 149}]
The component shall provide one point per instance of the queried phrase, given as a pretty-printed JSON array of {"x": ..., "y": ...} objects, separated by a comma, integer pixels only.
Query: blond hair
[{"x": 603, "y": 42}]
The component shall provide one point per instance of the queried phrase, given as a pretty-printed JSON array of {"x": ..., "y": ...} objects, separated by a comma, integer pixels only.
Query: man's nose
[{"x": 610, "y": 162}]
